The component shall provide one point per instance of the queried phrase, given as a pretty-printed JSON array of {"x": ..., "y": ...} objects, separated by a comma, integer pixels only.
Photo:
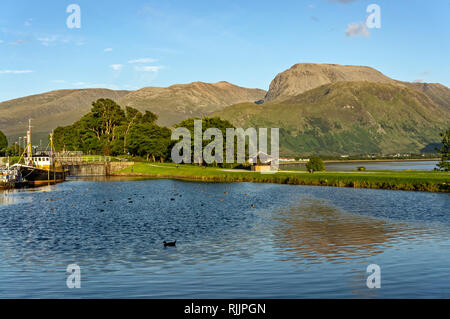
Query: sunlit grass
[{"x": 430, "y": 181}]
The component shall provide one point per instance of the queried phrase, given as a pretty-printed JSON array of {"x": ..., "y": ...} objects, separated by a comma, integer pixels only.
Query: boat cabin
[{"x": 41, "y": 160}]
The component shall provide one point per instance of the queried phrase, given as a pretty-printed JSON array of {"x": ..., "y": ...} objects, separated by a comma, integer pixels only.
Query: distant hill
[
  {"x": 178, "y": 102},
  {"x": 302, "y": 77},
  {"x": 440, "y": 94},
  {"x": 49, "y": 110},
  {"x": 172, "y": 104},
  {"x": 347, "y": 118}
]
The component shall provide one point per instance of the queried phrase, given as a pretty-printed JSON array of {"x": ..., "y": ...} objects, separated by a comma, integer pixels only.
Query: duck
[{"x": 172, "y": 243}]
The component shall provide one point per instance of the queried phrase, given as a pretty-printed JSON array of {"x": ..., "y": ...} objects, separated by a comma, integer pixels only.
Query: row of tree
[{"x": 110, "y": 130}]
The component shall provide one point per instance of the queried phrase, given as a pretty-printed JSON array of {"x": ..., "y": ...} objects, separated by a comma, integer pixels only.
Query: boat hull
[{"x": 38, "y": 176}]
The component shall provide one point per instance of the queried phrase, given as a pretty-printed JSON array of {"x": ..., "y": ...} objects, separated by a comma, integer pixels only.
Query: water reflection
[
  {"x": 313, "y": 231},
  {"x": 297, "y": 241}
]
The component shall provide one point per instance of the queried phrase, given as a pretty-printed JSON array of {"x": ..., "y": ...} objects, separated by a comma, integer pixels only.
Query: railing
[{"x": 82, "y": 160}]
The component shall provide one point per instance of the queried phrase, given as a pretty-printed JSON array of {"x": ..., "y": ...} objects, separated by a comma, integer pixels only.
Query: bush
[
  {"x": 315, "y": 164},
  {"x": 361, "y": 168}
]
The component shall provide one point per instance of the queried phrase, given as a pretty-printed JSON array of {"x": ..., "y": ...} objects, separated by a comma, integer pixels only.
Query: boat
[
  {"x": 40, "y": 168},
  {"x": 11, "y": 178}
]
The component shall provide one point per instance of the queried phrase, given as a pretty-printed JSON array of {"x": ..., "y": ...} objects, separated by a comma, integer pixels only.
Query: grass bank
[{"x": 408, "y": 180}]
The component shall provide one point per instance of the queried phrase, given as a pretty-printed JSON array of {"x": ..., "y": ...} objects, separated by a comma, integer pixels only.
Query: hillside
[
  {"x": 49, "y": 110},
  {"x": 172, "y": 104},
  {"x": 178, "y": 102},
  {"x": 347, "y": 118},
  {"x": 438, "y": 93}
]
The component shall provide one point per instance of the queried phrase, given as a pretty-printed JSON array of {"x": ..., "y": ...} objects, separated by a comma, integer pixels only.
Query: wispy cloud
[
  {"x": 116, "y": 67},
  {"x": 148, "y": 68},
  {"x": 15, "y": 71},
  {"x": 143, "y": 60},
  {"x": 28, "y": 23},
  {"x": 108, "y": 49},
  {"x": 17, "y": 42},
  {"x": 357, "y": 29},
  {"x": 48, "y": 40}
]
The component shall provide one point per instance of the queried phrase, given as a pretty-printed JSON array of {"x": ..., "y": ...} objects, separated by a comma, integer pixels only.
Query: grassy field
[{"x": 428, "y": 181}]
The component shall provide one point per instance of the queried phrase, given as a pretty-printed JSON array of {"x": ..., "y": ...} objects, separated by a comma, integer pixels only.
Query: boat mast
[
  {"x": 29, "y": 151},
  {"x": 51, "y": 149}
]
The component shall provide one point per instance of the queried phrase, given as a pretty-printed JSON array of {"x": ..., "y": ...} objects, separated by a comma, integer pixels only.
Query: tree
[
  {"x": 3, "y": 142},
  {"x": 207, "y": 122},
  {"x": 150, "y": 140},
  {"x": 444, "y": 164},
  {"x": 315, "y": 164}
]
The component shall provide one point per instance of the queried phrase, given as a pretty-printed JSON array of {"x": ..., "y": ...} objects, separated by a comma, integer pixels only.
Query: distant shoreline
[{"x": 370, "y": 161}]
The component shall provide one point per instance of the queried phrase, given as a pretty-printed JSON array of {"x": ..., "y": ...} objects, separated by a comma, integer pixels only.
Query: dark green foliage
[
  {"x": 315, "y": 164},
  {"x": 208, "y": 122},
  {"x": 110, "y": 130},
  {"x": 3, "y": 143},
  {"x": 444, "y": 164}
]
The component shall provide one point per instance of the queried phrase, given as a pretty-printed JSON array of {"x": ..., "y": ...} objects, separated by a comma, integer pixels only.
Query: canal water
[
  {"x": 297, "y": 241},
  {"x": 370, "y": 166}
]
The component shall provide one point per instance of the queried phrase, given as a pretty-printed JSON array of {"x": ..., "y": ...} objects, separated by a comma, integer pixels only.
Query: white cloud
[
  {"x": 148, "y": 68},
  {"x": 357, "y": 29},
  {"x": 15, "y": 71},
  {"x": 108, "y": 49},
  {"x": 144, "y": 60},
  {"x": 116, "y": 67},
  {"x": 28, "y": 23}
]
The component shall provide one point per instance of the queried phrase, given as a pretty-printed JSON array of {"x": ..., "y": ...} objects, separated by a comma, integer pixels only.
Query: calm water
[
  {"x": 371, "y": 166},
  {"x": 298, "y": 241}
]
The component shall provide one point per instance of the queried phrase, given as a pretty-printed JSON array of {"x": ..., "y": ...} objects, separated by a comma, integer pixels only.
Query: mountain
[
  {"x": 357, "y": 117},
  {"x": 178, "y": 102},
  {"x": 438, "y": 93},
  {"x": 172, "y": 104},
  {"x": 49, "y": 110},
  {"x": 302, "y": 77}
]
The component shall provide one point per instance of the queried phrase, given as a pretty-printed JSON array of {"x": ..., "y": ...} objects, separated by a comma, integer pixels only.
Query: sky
[{"x": 133, "y": 44}]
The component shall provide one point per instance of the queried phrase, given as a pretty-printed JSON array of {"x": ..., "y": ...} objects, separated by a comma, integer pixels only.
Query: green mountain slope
[{"x": 347, "y": 118}]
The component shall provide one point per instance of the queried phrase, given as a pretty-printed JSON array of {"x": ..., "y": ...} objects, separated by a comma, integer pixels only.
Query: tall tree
[{"x": 444, "y": 164}]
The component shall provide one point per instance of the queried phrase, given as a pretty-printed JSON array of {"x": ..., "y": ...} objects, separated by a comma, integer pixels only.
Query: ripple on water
[{"x": 297, "y": 241}]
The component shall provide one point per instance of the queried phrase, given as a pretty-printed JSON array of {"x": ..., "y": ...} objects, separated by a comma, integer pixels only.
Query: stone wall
[{"x": 96, "y": 169}]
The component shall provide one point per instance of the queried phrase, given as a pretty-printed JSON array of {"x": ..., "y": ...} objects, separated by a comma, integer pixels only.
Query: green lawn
[{"x": 399, "y": 180}]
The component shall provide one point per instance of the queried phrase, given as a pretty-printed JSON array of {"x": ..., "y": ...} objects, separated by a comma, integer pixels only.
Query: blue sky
[{"x": 135, "y": 43}]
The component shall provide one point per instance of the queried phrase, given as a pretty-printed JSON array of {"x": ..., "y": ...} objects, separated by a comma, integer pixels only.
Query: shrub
[
  {"x": 315, "y": 164},
  {"x": 361, "y": 168}
]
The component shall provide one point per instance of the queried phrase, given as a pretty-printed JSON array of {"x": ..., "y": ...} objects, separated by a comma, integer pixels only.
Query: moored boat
[{"x": 39, "y": 168}]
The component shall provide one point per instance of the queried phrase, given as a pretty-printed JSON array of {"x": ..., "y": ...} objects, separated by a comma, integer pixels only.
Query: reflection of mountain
[{"x": 314, "y": 230}]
